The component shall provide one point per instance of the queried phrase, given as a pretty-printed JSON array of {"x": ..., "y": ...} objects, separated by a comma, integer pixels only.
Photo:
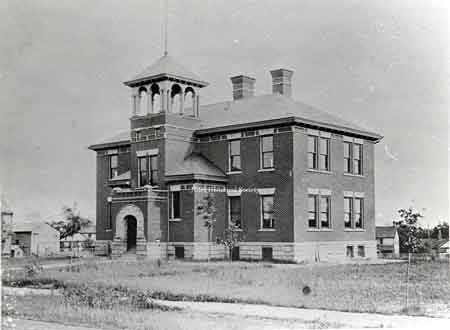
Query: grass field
[{"x": 352, "y": 287}]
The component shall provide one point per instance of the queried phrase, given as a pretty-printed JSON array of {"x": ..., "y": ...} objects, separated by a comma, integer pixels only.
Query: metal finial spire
[{"x": 166, "y": 24}]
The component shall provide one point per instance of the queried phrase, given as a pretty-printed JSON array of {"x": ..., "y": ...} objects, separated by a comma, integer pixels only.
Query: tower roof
[{"x": 166, "y": 67}]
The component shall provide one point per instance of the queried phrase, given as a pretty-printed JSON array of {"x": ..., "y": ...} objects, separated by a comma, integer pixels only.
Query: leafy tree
[
  {"x": 409, "y": 228},
  {"x": 231, "y": 238},
  {"x": 71, "y": 223},
  {"x": 408, "y": 223},
  {"x": 207, "y": 209},
  {"x": 440, "y": 230}
]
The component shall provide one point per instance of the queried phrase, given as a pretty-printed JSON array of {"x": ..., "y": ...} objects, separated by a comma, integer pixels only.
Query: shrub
[{"x": 33, "y": 268}]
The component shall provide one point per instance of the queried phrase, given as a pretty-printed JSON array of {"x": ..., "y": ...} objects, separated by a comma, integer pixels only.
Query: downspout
[{"x": 168, "y": 223}]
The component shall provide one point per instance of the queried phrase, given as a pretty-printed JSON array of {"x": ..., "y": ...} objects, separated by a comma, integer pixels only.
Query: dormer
[{"x": 166, "y": 86}]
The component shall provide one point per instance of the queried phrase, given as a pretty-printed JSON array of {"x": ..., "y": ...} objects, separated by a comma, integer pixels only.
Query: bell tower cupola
[{"x": 166, "y": 87}]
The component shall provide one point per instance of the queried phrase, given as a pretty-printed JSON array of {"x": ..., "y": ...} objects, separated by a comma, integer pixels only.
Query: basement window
[
  {"x": 267, "y": 254},
  {"x": 179, "y": 252},
  {"x": 350, "y": 251},
  {"x": 361, "y": 251}
]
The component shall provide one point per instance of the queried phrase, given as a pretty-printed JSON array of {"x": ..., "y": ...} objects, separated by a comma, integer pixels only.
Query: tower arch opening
[
  {"x": 175, "y": 99},
  {"x": 143, "y": 100},
  {"x": 155, "y": 98},
  {"x": 189, "y": 100}
]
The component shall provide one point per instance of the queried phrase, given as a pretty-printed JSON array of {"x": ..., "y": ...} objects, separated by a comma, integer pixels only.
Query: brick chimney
[
  {"x": 243, "y": 86},
  {"x": 281, "y": 81}
]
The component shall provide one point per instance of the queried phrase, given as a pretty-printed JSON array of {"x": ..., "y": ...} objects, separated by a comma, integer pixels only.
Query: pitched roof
[
  {"x": 272, "y": 107},
  {"x": 29, "y": 226},
  {"x": 385, "y": 231},
  {"x": 257, "y": 109},
  {"x": 122, "y": 137},
  {"x": 435, "y": 243},
  {"x": 195, "y": 166},
  {"x": 168, "y": 67}
]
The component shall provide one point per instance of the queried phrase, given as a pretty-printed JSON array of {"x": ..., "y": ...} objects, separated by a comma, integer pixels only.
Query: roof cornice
[
  {"x": 108, "y": 145},
  {"x": 194, "y": 177},
  {"x": 163, "y": 76},
  {"x": 292, "y": 121}
]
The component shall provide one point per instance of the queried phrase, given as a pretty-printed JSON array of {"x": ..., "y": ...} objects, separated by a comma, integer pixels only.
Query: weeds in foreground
[
  {"x": 122, "y": 317},
  {"x": 360, "y": 288}
]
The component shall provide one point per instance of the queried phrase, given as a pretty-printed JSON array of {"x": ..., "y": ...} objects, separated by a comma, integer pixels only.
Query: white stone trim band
[{"x": 148, "y": 152}]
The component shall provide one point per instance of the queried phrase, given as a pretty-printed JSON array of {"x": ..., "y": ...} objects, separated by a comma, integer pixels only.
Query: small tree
[
  {"x": 408, "y": 222},
  {"x": 231, "y": 238},
  {"x": 71, "y": 223},
  {"x": 207, "y": 209}
]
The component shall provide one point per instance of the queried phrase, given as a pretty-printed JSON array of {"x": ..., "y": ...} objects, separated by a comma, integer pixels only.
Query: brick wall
[
  {"x": 337, "y": 182},
  {"x": 280, "y": 179}
]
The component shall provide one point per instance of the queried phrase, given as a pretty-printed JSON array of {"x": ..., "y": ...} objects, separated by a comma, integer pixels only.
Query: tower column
[
  {"x": 149, "y": 101},
  {"x": 134, "y": 104},
  {"x": 163, "y": 100},
  {"x": 181, "y": 110}
]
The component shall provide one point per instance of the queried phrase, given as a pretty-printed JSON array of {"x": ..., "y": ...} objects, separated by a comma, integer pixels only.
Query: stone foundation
[
  {"x": 156, "y": 251},
  {"x": 102, "y": 248},
  {"x": 307, "y": 251},
  {"x": 118, "y": 248},
  {"x": 284, "y": 252}
]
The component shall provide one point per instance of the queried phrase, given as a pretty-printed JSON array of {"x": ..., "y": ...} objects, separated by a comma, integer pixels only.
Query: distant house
[
  {"x": 80, "y": 242},
  {"x": 438, "y": 247},
  {"x": 89, "y": 231},
  {"x": 388, "y": 243},
  {"x": 6, "y": 218},
  {"x": 38, "y": 239}
]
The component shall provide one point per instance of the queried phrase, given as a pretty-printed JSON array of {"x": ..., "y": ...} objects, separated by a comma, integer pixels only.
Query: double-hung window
[
  {"x": 318, "y": 153},
  {"x": 353, "y": 158},
  {"x": 113, "y": 166},
  {"x": 148, "y": 170},
  {"x": 319, "y": 211},
  {"x": 348, "y": 212},
  {"x": 266, "y": 151},
  {"x": 353, "y": 212},
  {"x": 175, "y": 205},
  {"x": 357, "y": 159},
  {"x": 234, "y": 152},
  {"x": 267, "y": 214},
  {"x": 235, "y": 211},
  {"x": 109, "y": 215},
  {"x": 358, "y": 212},
  {"x": 312, "y": 211}
]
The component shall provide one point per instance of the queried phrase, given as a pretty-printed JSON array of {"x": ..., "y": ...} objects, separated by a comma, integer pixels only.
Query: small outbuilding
[
  {"x": 437, "y": 247},
  {"x": 388, "y": 243},
  {"x": 34, "y": 238}
]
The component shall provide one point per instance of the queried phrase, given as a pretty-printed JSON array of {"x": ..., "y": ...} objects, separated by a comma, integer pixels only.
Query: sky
[{"x": 380, "y": 64}]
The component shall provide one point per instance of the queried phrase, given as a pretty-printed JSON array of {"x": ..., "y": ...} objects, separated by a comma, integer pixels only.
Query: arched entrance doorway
[
  {"x": 129, "y": 235},
  {"x": 131, "y": 230}
]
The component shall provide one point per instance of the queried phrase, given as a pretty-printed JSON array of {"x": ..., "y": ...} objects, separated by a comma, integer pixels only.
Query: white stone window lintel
[
  {"x": 266, "y": 191},
  {"x": 148, "y": 152}
]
